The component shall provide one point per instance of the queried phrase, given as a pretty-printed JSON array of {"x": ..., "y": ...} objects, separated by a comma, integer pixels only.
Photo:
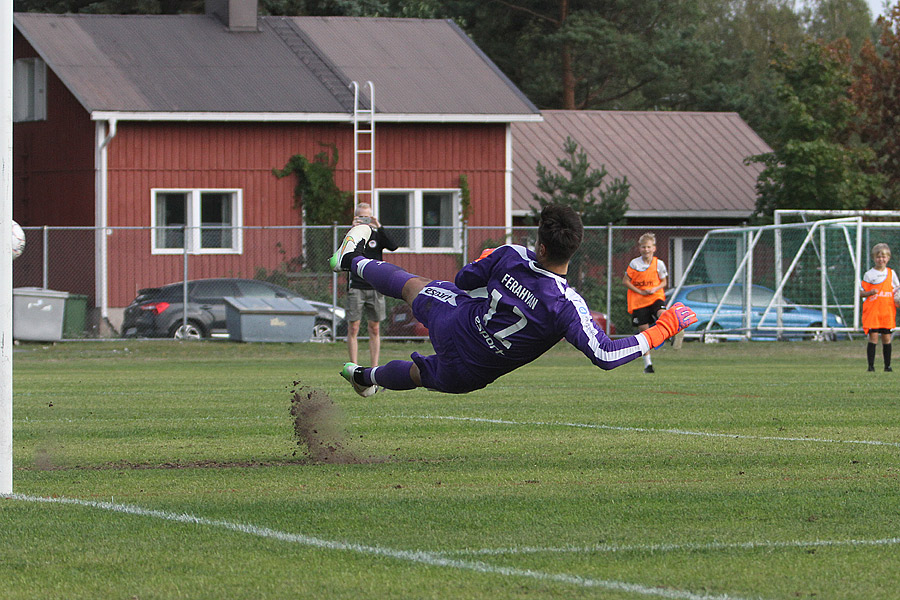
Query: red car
[{"x": 402, "y": 324}]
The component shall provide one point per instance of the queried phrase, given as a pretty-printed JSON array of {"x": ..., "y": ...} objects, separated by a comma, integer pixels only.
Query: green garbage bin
[{"x": 75, "y": 316}]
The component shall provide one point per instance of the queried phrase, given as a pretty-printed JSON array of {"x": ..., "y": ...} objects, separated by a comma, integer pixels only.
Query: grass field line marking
[
  {"x": 416, "y": 556},
  {"x": 653, "y": 548},
  {"x": 737, "y": 436},
  {"x": 143, "y": 419}
]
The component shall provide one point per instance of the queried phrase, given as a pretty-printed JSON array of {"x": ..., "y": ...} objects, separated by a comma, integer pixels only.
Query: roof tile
[{"x": 676, "y": 162}]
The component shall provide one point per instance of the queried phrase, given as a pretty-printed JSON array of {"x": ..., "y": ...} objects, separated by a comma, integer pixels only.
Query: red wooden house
[{"x": 178, "y": 121}]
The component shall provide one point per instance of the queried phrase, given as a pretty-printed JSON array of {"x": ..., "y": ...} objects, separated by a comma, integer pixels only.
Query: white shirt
[
  {"x": 875, "y": 277},
  {"x": 640, "y": 266}
]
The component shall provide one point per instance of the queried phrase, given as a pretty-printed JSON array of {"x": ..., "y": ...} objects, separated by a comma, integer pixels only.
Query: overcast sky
[{"x": 876, "y": 7}]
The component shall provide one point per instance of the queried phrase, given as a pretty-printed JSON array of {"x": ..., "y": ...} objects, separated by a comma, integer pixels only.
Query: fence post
[
  {"x": 334, "y": 242},
  {"x": 823, "y": 282},
  {"x": 184, "y": 252},
  {"x": 609, "y": 274},
  {"x": 465, "y": 243},
  {"x": 859, "y": 272},
  {"x": 748, "y": 285},
  {"x": 45, "y": 269}
]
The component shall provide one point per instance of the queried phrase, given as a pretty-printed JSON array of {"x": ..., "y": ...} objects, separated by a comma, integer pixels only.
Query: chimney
[{"x": 237, "y": 15}]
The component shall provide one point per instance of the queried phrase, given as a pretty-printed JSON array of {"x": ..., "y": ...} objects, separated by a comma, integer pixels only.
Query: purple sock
[
  {"x": 384, "y": 277},
  {"x": 393, "y": 376}
]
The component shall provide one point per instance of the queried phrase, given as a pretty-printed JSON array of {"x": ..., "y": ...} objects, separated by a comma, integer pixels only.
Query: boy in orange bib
[
  {"x": 879, "y": 311},
  {"x": 646, "y": 279}
]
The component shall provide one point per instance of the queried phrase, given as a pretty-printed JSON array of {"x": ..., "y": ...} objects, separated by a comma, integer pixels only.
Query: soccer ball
[{"x": 18, "y": 240}]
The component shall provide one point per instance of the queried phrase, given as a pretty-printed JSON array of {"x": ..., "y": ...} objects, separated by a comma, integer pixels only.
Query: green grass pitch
[{"x": 148, "y": 470}]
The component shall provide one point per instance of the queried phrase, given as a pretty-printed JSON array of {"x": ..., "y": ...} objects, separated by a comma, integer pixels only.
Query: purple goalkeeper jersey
[{"x": 526, "y": 311}]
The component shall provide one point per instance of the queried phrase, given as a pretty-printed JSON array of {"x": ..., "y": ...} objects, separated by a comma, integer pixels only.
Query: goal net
[{"x": 796, "y": 279}]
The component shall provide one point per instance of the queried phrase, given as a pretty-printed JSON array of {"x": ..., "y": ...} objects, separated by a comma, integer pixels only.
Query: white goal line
[
  {"x": 736, "y": 436},
  {"x": 657, "y": 548},
  {"x": 415, "y": 556}
]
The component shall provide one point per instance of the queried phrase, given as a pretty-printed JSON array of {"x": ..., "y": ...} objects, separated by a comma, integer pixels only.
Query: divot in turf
[{"x": 319, "y": 430}]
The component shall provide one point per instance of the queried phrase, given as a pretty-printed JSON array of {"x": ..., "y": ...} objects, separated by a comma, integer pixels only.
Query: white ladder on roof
[{"x": 363, "y": 147}]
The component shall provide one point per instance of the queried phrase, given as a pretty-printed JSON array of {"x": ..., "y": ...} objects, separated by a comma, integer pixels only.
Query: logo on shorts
[{"x": 441, "y": 294}]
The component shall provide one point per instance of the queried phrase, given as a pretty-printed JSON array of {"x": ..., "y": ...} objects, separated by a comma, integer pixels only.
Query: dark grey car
[{"x": 159, "y": 312}]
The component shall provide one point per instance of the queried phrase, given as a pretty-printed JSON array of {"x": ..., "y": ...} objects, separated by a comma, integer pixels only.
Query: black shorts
[
  {"x": 646, "y": 315},
  {"x": 882, "y": 330}
]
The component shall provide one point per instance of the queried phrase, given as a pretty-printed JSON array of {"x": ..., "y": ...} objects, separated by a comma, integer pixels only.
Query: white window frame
[
  {"x": 193, "y": 237},
  {"x": 680, "y": 257},
  {"x": 29, "y": 90},
  {"x": 415, "y": 217}
]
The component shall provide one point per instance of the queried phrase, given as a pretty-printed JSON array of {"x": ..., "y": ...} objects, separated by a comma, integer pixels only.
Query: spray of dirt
[{"x": 318, "y": 429}]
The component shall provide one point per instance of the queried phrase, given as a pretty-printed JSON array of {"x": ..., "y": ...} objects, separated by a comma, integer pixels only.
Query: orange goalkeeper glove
[{"x": 669, "y": 323}]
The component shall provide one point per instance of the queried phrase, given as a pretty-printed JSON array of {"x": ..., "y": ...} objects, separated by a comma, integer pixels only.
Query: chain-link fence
[{"x": 103, "y": 271}]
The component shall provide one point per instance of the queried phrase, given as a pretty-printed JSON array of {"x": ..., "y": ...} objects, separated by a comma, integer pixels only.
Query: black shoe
[
  {"x": 888, "y": 369},
  {"x": 871, "y": 369},
  {"x": 649, "y": 369}
]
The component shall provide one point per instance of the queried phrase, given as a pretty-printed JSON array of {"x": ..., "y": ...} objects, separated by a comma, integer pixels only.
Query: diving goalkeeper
[{"x": 528, "y": 308}]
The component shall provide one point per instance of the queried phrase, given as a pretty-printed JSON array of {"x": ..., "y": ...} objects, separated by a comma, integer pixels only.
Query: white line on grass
[
  {"x": 654, "y": 548},
  {"x": 421, "y": 557},
  {"x": 180, "y": 419},
  {"x": 649, "y": 430}
]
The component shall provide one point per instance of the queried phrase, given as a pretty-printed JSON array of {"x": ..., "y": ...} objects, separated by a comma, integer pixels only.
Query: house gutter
[
  {"x": 287, "y": 117},
  {"x": 101, "y": 217}
]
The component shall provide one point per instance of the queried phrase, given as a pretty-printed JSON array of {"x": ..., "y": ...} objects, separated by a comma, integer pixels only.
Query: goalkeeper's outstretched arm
[
  {"x": 609, "y": 354},
  {"x": 669, "y": 323}
]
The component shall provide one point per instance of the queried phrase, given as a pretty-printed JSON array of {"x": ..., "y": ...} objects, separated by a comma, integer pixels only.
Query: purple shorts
[{"x": 443, "y": 308}]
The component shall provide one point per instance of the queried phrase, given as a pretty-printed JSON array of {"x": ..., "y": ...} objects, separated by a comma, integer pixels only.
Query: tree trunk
[
  {"x": 568, "y": 76},
  {"x": 568, "y": 79}
]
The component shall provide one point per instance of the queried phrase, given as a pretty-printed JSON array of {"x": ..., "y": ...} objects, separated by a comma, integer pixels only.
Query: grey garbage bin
[
  {"x": 38, "y": 314},
  {"x": 254, "y": 319}
]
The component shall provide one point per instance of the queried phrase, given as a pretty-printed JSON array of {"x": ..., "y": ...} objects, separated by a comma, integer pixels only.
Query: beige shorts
[{"x": 368, "y": 303}]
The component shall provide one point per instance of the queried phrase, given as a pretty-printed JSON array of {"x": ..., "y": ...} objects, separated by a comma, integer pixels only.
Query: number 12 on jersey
[{"x": 508, "y": 331}]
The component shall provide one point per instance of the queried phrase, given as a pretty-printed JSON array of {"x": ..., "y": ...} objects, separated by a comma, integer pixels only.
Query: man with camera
[{"x": 362, "y": 299}]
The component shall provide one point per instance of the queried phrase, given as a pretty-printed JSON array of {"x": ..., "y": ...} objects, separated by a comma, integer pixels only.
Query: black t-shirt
[{"x": 379, "y": 242}]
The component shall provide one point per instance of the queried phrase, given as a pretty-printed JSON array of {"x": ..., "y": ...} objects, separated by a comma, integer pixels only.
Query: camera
[{"x": 365, "y": 220}]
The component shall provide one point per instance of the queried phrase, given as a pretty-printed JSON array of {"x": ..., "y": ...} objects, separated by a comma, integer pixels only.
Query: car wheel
[
  {"x": 322, "y": 332},
  {"x": 708, "y": 337},
  {"x": 191, "y": 331},
  {"x": 820, "y": 336}
]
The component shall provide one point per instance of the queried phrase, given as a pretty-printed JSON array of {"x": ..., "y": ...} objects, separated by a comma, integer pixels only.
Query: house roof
[
  {"x": 685, "y": 164},
  {"x": 293, "y": 68}
]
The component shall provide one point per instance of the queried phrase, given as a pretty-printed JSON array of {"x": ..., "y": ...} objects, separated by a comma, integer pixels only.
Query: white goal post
[
  {"x": 876, "y": 226},
  {"x": 6, "y": 341},
  {"x": 790, "y": 279}
]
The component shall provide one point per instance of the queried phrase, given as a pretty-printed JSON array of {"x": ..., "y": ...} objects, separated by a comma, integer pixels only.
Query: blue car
[{"x": 703, "y": 299}]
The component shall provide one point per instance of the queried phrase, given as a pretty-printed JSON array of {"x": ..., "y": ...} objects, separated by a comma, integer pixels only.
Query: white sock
[{"x": 647, "y": 361}]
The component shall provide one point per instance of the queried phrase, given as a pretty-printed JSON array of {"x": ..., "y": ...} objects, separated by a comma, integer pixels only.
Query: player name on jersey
[{"x": 520, "y": 291}]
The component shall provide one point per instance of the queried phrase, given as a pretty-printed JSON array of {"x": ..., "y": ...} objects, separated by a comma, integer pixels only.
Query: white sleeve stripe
[
  {"x": 643, "y": 343},
  {"x": 587, "y": 325}
]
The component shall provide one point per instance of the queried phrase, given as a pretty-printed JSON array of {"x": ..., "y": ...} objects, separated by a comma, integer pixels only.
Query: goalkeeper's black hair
[{"x": 561, "y": 231}]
